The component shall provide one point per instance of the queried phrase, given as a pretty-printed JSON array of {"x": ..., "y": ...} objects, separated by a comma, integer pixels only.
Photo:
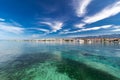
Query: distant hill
[{"x": 103, "y": 36}]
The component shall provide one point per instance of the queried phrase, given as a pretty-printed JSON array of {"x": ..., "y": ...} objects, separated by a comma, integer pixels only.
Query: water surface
[{"x": 59, "y": 61}]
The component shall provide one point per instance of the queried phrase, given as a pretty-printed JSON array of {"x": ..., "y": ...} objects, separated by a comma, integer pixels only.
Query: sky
[{"x": 35, "y": 19}]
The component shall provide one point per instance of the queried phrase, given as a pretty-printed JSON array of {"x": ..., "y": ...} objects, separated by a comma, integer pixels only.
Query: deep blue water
[{"x": 59, "y": 61}]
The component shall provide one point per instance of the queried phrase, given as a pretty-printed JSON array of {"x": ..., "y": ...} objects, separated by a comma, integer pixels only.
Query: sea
[{"x": 24, "y": 60}]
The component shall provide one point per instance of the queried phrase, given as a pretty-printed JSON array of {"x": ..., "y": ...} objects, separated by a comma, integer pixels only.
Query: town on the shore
[
  {"x": 114, "y": 38},
  {"x": 76, "y": 40}
]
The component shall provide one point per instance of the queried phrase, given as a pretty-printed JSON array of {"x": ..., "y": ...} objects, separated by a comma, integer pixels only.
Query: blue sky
[{"x": 31, "y": 19}]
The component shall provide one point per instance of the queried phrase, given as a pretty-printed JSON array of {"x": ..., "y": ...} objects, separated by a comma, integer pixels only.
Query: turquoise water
[{"x": 59, "y": 61}]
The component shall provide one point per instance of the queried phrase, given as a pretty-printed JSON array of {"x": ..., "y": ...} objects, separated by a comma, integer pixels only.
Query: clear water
[{"x": 59, "y": 61}]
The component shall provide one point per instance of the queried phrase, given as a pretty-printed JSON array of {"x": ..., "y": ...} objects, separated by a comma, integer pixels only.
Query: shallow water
[{"x": 59, "y": 61}]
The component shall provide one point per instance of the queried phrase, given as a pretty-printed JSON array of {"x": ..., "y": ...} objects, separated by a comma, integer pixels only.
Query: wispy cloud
[
  {"x": 43, "y": 30},
  {"x": 37, "y": 35},
  {"x": 81, "y": 25},
  {"x": 81, "y": 6},
  {"x": 7, "y": 27},
  {"x": 89, "y": 29},
  {"x": 55, "y": 25},
  {"x": 116, "y": 28},
  {"x": 107, "y": 12},
  {"x": 97, "y": 28},
  {"x": 1, "y": 19},
  {"x": 64, "y": 31}
]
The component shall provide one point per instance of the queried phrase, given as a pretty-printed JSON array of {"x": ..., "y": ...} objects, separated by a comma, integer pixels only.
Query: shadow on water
[
  {"x": 79, "y": 71},
  {"x": 17, "y": 70}
]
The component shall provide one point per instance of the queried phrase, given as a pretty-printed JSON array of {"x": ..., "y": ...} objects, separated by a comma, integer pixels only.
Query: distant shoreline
[{"x": 74, "y": 40}]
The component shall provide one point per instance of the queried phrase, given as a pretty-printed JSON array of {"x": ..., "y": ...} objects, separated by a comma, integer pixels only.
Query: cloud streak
[
  {"x": 43, "y": 30},
  {"x": 37, "y": 35},
  {"x": 81, "y": 6},
  {"x": 89, "y": 29},
  {"x": 81, "y": 25},
  {"x": 55, "y": 25},
  {"x": 116, "y": 29},
  {"x": 107, "y": 12},
  {"x": 10, "y": 28},
  {"x": 1, "y": 19}
]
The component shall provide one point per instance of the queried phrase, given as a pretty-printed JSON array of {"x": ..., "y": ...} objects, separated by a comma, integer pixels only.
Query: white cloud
[
  {"x": 107, "y": 12},
  {"x": 10, "y": 28},
  {"x": 1, "y": 19},
  {"x": 116, "y": 26},
  {"x": 116, "y": 30},
  {"x": 64, "y": 31},
  {"x": 89, "y": 29},
  {"x": 80, "y": 6},
  {"x": 44, "y": 30},
  {"x": 97, "y": 28},
  {"x": 55, "y": 25},
  {"x": 37, "y": 36},
  {"x": 81, "y": 25}
]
